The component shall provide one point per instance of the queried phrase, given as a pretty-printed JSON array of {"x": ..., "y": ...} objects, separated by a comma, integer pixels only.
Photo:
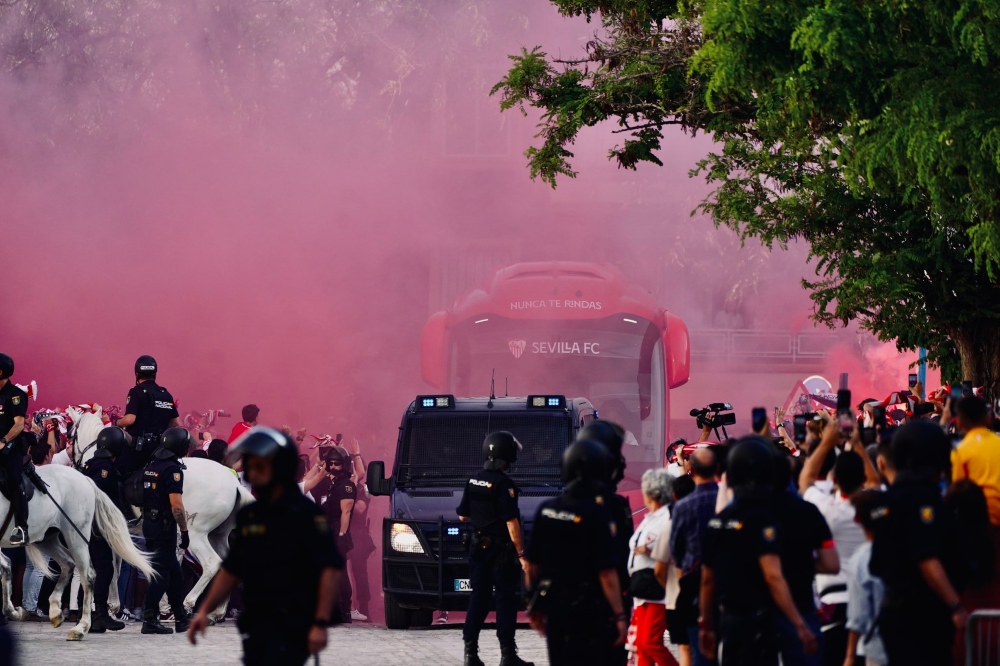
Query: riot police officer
[
  {"x": 610, "y": 435},
  {"x": 497, "y": 554},
  {"x": 100, "y": 468},
  {"x": 741, "y": 567},
  {"x": 573, "y": 565},
  {"x": 283, "y": 552},
  {"x": 149, "y": 411},
  {"x": 337, "y": 497},
  {"x": 13, "y": 408},
  {"x": 915, "y": 551},
  {"x": 162, "y": 513}
]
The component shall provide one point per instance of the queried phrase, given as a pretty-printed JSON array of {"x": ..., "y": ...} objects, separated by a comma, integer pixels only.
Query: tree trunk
[{"x": 978, "y": 344}]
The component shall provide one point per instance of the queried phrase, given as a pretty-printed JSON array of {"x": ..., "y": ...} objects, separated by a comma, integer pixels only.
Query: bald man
[{"x": 690, "y": 522}]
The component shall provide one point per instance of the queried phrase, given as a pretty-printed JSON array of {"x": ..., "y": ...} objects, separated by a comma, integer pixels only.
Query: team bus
[
  {"x": 425, "y": 548},
  {"x": 570, "y": 329}
]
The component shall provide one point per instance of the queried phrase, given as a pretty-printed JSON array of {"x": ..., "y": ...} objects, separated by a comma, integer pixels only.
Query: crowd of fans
[
  {"x": 864, "y": 541},
  {"x": 53, "y": 444}
]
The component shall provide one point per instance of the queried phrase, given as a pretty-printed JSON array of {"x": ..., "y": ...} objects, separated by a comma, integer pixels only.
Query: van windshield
[{"x": 445, "y": 450}]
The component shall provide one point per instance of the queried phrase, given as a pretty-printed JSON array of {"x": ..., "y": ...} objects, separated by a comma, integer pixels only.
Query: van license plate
[{"x": 462, "y": 585}]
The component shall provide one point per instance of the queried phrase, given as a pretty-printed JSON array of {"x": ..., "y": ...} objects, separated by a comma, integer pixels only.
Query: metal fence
[
  {"x": 748, "y": 345},
  {"x": 982, "y": 639}
]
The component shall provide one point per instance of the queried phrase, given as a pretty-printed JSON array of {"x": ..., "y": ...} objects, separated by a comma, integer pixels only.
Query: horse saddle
[{"x": 27, "y": 485}]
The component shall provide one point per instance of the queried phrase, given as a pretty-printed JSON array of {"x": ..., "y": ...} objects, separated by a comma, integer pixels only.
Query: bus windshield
[{"x": 616, "y": 362}]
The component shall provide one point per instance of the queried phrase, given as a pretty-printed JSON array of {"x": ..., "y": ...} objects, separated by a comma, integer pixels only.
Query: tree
[{"x": 869, "y": 130}]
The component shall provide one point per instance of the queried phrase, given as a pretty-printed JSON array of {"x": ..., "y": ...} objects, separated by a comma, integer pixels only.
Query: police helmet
[
  {"x": 750, "y": 467},
  {"x": 264, "y": 442},
  {"x": 501, "y": 446},
  {"x": 174, "y": 442},
  {"x": 612, "y": 437},
  {"x": 110, "y": 442},
  {"x": 145, "y": 366},
  {"x": 330, "y": 454},
  {"x": 921, "y": 448},
  {"x": 6, "y": 366},
  {"x": 586, "y": 460}
]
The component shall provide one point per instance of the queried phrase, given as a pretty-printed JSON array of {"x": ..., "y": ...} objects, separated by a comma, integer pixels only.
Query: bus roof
[{"x": 556, "y": 290}]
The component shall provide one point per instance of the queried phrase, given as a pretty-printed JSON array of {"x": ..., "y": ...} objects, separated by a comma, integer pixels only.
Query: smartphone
[
  {"x": 758, "y": 419},
  {"x": 845, "y": 415},
  {"x": 967, "y": 387},
  {"x": 799, "y": 424},
  {"x": 878, "y": 416},
  {"x": 843, "y": 381},
  {"x": 956, "y": 394},
  {"x": 913, "y": 380},
  {"x": 868, "y": 436}
]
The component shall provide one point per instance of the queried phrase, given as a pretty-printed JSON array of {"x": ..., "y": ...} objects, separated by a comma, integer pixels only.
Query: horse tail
[
  {"x": 40, "y": 561},
  {"x": 112, "y": 526},
  {"x": 243, "y": 497}
]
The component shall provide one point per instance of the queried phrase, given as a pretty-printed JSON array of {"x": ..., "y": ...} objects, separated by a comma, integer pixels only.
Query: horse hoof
[
  {"x": 75, "y": 635},
  {"x": 56, "y": 621},
  {"x": 19, "y": 614}
]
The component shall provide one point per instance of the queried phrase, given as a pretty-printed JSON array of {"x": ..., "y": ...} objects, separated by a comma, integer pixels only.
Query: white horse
[
  {"x": 54, "y": 536},
  {"x": 212, "y": 496}
]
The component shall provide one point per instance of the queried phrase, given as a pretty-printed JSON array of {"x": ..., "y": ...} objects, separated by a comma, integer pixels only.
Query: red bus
[{"x": 566, "y": 328}]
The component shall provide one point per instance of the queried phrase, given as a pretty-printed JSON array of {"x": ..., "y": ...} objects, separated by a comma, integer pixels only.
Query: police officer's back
[
  {"x": 101, "y": 470},
  {"x": 283, "y": 552},
  {"x": 149, "y": 411},
  {"x": 490, "y": 504},
  {"x": 741, "y": 566},
  {"x": 573, "y": 563},
  {"x": 13, "y": 408},
  {"x": 162, "y": 514},
  {"x": 914, "y": 551}
]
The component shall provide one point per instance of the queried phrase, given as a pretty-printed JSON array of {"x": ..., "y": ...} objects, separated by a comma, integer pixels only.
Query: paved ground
[{"x": 362, "y": 645}]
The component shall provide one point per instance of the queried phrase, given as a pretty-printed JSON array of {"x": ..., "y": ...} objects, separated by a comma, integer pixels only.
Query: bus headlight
[{"x": 403, "y": 540}]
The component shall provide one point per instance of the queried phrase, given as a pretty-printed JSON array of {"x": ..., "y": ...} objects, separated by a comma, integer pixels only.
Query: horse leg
[
  {"x": 62, "y": 558},
  {"x": 114, "y": 603},
  {"x": 6, "y": 574},
  {"x": 210, "y": 563},
  {"x": 81, "y": 556},
  {"x": 220, "y": 544}
]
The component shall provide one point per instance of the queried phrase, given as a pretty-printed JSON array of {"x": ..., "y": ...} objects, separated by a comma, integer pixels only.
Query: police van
[{"x": 425, "y": 564}]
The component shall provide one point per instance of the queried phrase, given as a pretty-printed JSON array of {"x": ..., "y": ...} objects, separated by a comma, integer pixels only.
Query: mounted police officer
[
  {"x": 162, "y": 513},
  {"x": 13, "y": 407},
  {"x": 497, "y": 556},
  {"x": 573, "y": 565},
  {"x": 283, "y": 552},
  {"x": 149, "y": 411},
  {"x": 337, "y": 495},
  {"x": 100, "y": 468}
]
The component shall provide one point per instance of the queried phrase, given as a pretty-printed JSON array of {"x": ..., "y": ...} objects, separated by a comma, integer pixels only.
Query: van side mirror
[{"x": 377, "y": 483}]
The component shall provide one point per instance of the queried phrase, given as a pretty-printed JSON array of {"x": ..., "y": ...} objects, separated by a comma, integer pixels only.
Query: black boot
[
  {"x": 508, "y": 656},
  {"x": 181, "y": 621},
  {"x": 472, "y": 654},
  {"x": 102, "y": 620},
  {"x": 151, "y": 623}
]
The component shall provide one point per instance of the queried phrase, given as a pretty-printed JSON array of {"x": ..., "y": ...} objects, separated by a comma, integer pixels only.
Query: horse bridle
[{"x": 73, "y": 440}]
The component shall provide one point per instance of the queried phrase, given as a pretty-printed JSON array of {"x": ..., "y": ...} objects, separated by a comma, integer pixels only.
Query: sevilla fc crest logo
[{"x": 517, "y": 347}]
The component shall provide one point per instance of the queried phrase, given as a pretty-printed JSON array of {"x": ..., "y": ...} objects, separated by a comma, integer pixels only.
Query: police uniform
[
  {"x": 154, "y": 409},
  {"x": 574, "y": 539},
  {"x": 102, "y": 472},
  {"x": 162, "y": 478},
  {"x": 489, "y": 501},
  {"x": 279, "y": 549},
  {"x": 911, "y": 525},
  {"x": 735, "y": 539},
  {"x": 13, "y": 403},
  {"x": 341, "y": 488}
]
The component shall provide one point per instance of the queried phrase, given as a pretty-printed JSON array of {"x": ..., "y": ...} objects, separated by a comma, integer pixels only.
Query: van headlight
[{"x": 404, "y": 540}]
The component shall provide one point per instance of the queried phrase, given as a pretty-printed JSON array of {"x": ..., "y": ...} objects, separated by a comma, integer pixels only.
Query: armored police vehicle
[{"x": 424, "y": 545}]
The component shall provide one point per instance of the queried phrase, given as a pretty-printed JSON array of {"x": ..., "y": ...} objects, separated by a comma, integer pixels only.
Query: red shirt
[{"x": 238, "y": 430}]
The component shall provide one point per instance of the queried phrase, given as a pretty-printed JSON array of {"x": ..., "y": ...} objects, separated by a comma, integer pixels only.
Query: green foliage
[{"x": 871, "y": 130}]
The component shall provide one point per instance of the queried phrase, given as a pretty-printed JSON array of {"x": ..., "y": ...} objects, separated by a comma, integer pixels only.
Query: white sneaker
[{"x": 357, "y": 616}]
